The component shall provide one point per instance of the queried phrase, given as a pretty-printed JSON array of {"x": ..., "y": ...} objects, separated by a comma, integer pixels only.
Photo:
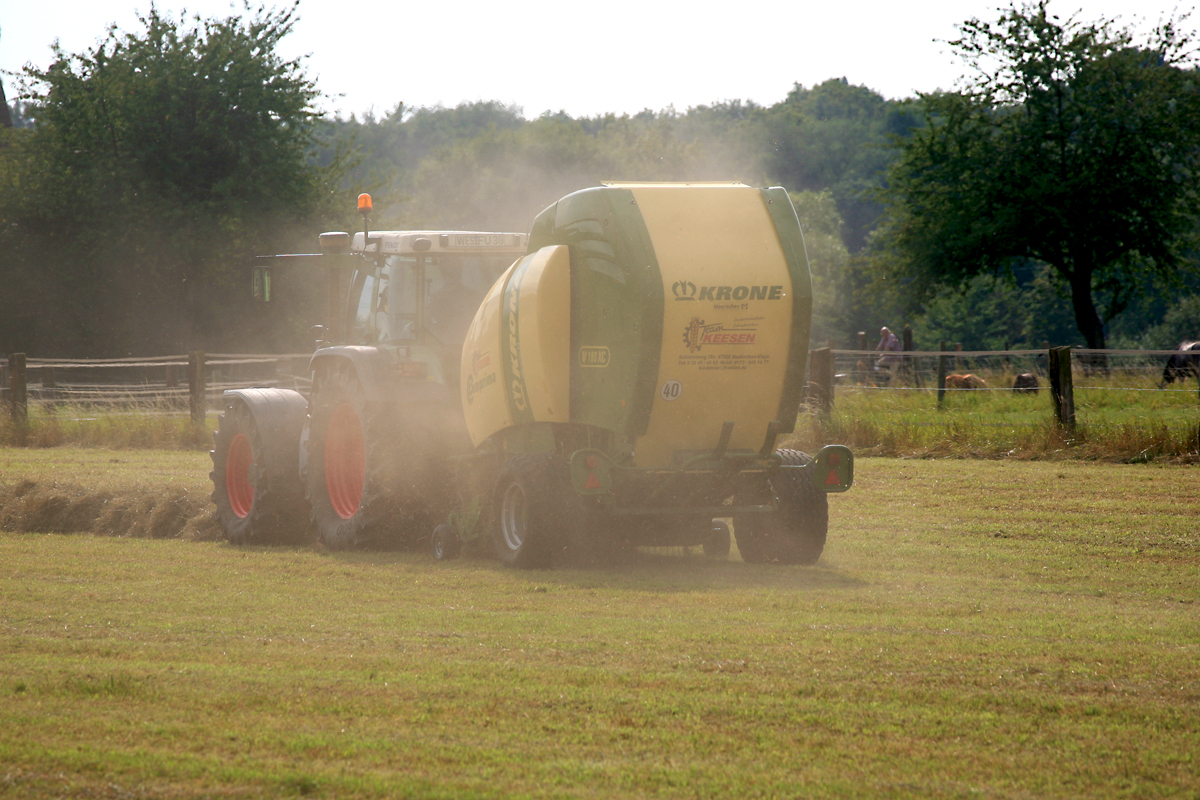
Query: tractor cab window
[
  {"x": 455, "y": 286},
  {"x": 396, "y": 306},
  {"x": 362, "y": 300}
]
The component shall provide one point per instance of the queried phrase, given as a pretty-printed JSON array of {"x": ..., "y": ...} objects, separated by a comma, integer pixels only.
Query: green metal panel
[
  {"x": 510, "y": 350},
  {"x": 616, "y": 306},
  {"x": 783, "y": 214}
]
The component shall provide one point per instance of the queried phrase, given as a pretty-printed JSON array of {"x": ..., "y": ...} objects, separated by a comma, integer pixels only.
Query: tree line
[{"x": 1054, "y": 197}]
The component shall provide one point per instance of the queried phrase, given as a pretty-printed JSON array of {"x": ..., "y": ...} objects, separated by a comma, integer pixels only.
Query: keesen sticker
[
  {"x": 698, "y": 333},
  {"x": 671, "y": 390}
]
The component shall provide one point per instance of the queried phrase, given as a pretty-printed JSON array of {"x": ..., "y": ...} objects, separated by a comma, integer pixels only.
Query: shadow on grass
[{"x": 656, "y": 570}]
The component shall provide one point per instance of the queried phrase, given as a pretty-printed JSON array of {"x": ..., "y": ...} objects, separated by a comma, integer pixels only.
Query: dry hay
[{"x": 50, "y": 507}]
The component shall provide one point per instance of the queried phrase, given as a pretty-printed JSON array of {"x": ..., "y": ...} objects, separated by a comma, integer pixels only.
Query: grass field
[
  {"x": 1117, "y": 419},
  {"x": 974, "y": 629}
]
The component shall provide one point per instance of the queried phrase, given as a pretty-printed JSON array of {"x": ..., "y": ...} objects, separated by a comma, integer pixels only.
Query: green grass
[
  {"x": 975, "y": 628},
  {"x": 141, "y": 425},
  {"x": 1113, "y": 423}
]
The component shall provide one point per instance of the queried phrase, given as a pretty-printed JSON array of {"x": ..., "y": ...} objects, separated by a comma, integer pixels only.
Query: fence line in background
[
  {"x": 172, "y": 383},
  {"x": 209, "y": 374}
]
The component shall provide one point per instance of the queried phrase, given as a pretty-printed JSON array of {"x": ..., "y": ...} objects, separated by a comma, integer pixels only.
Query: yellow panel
[
  {"x": 544, "y": 329},
  {"x": 482, "y": 384},
  {"x": 727, "y": 318}
]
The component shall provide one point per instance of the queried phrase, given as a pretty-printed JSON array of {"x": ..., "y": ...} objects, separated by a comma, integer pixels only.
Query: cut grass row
[{"x": 1000, "y": 629}]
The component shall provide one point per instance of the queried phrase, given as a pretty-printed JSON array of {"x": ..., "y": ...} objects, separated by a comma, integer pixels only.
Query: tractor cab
[{"x": 423, "y": 287}]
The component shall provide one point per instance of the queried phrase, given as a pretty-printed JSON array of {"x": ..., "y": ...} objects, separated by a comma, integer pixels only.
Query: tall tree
[
  {"x": 1071, "y": 144},
  {"x": 161, "y": 160}
]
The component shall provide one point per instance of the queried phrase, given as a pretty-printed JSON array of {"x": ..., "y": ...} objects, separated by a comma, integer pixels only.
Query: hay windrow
[{"x": 52, "y": 507}]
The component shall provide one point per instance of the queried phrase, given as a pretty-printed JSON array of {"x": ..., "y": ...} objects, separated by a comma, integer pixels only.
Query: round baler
[{"x": 626, "y": 381}]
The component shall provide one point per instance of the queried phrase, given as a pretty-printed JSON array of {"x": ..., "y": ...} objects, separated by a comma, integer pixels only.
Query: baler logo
[
  {"x": 514, "y": 349},
  {"x": 476, "y": 384},
  {"x": 512, "y": 372},
  {"x": 684, "y": 290},
  {"x": 697, "y": 334}
]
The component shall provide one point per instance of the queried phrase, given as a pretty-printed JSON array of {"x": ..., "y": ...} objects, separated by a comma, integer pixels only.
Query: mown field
[{"x": 974, "y": 629}]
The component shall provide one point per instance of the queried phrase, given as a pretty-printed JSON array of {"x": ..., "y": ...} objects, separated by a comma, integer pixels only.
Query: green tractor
[{"x": 623, "y": 382}]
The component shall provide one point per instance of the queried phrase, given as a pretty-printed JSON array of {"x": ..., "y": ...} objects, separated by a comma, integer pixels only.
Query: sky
[{"x": 584, "y": 58}]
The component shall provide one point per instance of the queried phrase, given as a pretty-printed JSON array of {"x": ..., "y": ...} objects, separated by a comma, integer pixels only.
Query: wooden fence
[
  {"x": 194, "y": 382},
  {"x": 1056, "y": 368},
  {"x": 165, "y": 384}
]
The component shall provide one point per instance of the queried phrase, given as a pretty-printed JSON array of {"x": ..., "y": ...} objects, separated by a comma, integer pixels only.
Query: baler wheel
[
  {"x": 716, "y": 546},
  {"x": 529, "y": 519},
  {"x": 445, "y": 543},
  {"x": 250, "y": 508},
  {"x": 794, "y": 533}
]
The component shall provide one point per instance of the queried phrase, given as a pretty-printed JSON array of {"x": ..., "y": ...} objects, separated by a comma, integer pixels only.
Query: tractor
[{"x": 618, "y": 377}]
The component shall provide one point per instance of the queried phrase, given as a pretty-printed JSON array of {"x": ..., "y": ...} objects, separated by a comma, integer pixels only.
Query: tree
[
  {"x": 1070, "y": 144},
  {"x": 160, "y": 162}
]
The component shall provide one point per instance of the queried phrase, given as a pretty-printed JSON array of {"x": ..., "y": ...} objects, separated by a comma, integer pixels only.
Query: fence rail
[
  {"x": 189, "y": 383},
  {"x": 193, "y": 382}
]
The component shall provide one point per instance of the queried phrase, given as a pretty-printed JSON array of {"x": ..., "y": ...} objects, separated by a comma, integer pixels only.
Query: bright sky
[{"x": 585, "y": 58}]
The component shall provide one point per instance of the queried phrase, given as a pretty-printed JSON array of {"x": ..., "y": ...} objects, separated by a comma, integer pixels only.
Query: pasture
[{"x": 975, "y": 628}]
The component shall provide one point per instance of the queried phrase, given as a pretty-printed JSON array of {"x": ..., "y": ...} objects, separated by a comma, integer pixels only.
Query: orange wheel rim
[
  {"x": 238, "y": 487},
  {"x": 345, "y": 461}
]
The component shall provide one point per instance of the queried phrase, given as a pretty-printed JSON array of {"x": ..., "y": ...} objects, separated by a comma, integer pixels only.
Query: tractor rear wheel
[
  {"x": 354, "y": 457},
  {"x": 530, "y": 514},
  {"x": 795, "y": 532},
  {"x": 252, "y": 508}
]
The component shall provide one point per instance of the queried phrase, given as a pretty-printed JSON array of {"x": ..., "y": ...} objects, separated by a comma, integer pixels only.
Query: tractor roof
[{"x": 448, "y": 242}]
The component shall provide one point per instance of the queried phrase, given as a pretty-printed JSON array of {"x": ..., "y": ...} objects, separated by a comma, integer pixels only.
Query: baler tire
[
  {"x": 717, "y": 545},
  {"x": 795, "y": 533},
  {"x": 349, "y": 487},
  {"x": 250, "y": 507},
  {"x": 444, "y": 543},
  {"x": 528, "y": 518}
]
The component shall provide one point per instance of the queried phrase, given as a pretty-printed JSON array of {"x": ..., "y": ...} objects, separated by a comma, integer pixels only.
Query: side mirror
[{"x": 260, "y": 285}]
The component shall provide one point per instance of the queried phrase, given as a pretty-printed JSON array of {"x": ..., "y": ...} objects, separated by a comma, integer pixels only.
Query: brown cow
[
  {"x": 968, "y": 381},
  {"x": 1026, "y": 382}
]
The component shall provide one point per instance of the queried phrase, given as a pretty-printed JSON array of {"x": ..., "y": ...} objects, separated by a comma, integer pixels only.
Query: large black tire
[
  {"x": 357, "y": 468},
  {"x": 256, "y": 503},
  {"x": 795, "y": 532},
  {"x": 532, "y": 510}
]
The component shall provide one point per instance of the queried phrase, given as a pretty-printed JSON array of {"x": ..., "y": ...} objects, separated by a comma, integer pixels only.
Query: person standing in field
[{"x": 889, "y": 346}]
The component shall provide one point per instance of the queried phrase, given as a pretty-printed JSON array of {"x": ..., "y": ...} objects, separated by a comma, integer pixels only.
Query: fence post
[
  {"x": 862, "y": 371},
  {"x": 1062, "y": 389},
  {"x": 197, "y": 386},
  {"x": 907, "y": 365},
  {"x": 942, "y": 374},
  {"x": 18, "y": 394},
  {"x": 820, "y": 370}
]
